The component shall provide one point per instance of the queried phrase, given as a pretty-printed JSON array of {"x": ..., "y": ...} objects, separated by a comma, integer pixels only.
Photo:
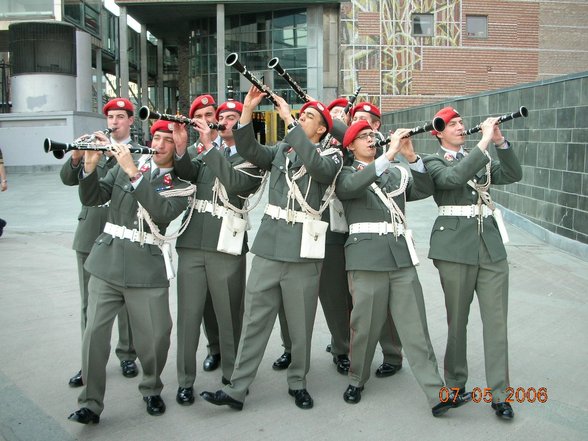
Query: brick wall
[
  {"x": 552, "y": 145},
  {"x": 527, "y": 40}
]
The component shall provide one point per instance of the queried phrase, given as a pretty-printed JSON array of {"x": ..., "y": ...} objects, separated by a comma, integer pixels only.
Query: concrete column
[
  {"x": 314, "y": 51},
  {"x": 99, "y": 75},
  {"x": 144, "y": 96},
  {"x": 220, "y": 51},
  {"x": 184, "y": 100},
  {"x": 123, "y": 56},
  {"x": 84, "y": 72},
  {"x": 160, "y": 104}
]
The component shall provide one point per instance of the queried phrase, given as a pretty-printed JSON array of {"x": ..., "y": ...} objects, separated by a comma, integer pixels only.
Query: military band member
[
  {"x": 380, "y": 259},
  {"x": 279, "y": 274},
  {"x": 203, "y": 265},
  {"x": 389, "y": 340},
  {"x": 120, "y": 117},
  {"x": 203, "y": 108},
  {"x": 333, "y": 288},
  {"x": 337, "y": 109},
  {"x": 467, "y": 248},
  {"x": 129, "y": 266}
]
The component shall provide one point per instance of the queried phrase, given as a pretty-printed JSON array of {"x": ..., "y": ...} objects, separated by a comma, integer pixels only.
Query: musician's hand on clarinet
[
  {"x": 253, "y": 98},
  {"x": 91, "y": 159},
  {"x": 406, "y": 147},
  {"x": 284, "y": 110},
  {"x": 487, "y": 127},
  {"x": 125, "y": 159},
  {"x": 205, "y": 133},
  {"x": 101, "y": 138},
  {"x": 76, "y": 157},
  {"x": 497, "y": 137},
  {"x": 180, "y": 135},
  {"x": 251, "y": 101},
  {"x": 395, "y": 143}
]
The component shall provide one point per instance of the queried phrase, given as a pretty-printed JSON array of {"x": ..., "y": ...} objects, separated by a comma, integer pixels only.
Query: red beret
[
  {"x": 366, "y": 107},
  {"x": 162, "y": 126},
  {"x": 339, "y": 102},
  {"x": 118, "y": 104},
  {"x": 353, "y": 130},
  {"x": 322, "y": 109},
  {"x": 446, "y": 114},
  {"x": 200, "y": 102},
  {"x": 229, "y": 106}
]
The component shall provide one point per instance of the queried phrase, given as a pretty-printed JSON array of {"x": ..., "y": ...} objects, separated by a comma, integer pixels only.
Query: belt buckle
[{"x": 290, "y": 216}]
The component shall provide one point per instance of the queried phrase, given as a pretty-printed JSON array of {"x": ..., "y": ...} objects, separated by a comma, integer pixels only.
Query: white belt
[
  {"x": 382, "y": 228},
  {"x": 202, "y": 206},
  {"x": 132, "y": 235},
  {"x": 276, "y": 212},
  {"x": 148, "y": 238},
  {"x": 464, "y": 210},
  {"x": 375, "y": 227}
]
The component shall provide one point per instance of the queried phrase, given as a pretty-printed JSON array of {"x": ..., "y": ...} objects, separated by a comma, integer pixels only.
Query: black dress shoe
[
  {"x": 503, "y": 410},
  {"x": 387, "y": 370},
  {"x": 353, "y": 394},
  {"x": 328, "y": 348},
  {"x": 343, "y": 363},
  {"x": 211, "y": 362},
  {"x": 220, "y": 398},
  {"x": 155, "y": 405},
  {"x": 185, "y": 396},
  {"x": 302, "y": 398},
  {"x": 451, "y": 403},
  {"x": 283, "y": 362},
  {"x": 129, "y": 368},
  {"x": 84, "y": 416},
  {"x": 76, "y": 380}
]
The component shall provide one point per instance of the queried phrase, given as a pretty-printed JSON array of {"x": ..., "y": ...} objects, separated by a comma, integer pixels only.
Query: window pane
[
  {"x": 422, "y": 24},
  {"x": 25, "y": 8},
  {"x": 477, "y": 26}
]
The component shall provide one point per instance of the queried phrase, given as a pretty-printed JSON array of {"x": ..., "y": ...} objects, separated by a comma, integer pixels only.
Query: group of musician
[{"x": 334, "y": 228}]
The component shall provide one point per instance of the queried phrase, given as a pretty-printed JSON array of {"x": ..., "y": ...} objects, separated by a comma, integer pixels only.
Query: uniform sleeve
[
  {"x": 420, "y": 186},
  {"x": 447, "y": 178},
  {"x": 162, "y": 209},
  {"x": 339, "y": 129},
  {"x": 186, "y": 168},
  {"x": 352, "y": 184},
  {"x": 322, "y": 169},
  {"x": 508, "y": 169},
  {"x": 95, "y": 191},
  {"x": 70, "y": 175},
  {"x": 253, "y": 151},
  {"x": 234, "y": 180}
]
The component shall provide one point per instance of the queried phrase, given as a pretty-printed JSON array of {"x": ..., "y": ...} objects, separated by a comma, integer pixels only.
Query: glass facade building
[{"x": 256, "y": 38}]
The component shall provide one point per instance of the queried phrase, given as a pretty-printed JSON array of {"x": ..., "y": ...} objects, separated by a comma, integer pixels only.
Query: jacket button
[
  {"x": 281, "y": 167},
  {"x": 135, "y": 223},
  {"x": 473, "y": 192},
  {"x": 442, "y": 228},
  {"x": 355, "y": 239}
]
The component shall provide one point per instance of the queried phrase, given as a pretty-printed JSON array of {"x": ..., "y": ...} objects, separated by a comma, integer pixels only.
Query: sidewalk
[{"x": 40, "y": 347}]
